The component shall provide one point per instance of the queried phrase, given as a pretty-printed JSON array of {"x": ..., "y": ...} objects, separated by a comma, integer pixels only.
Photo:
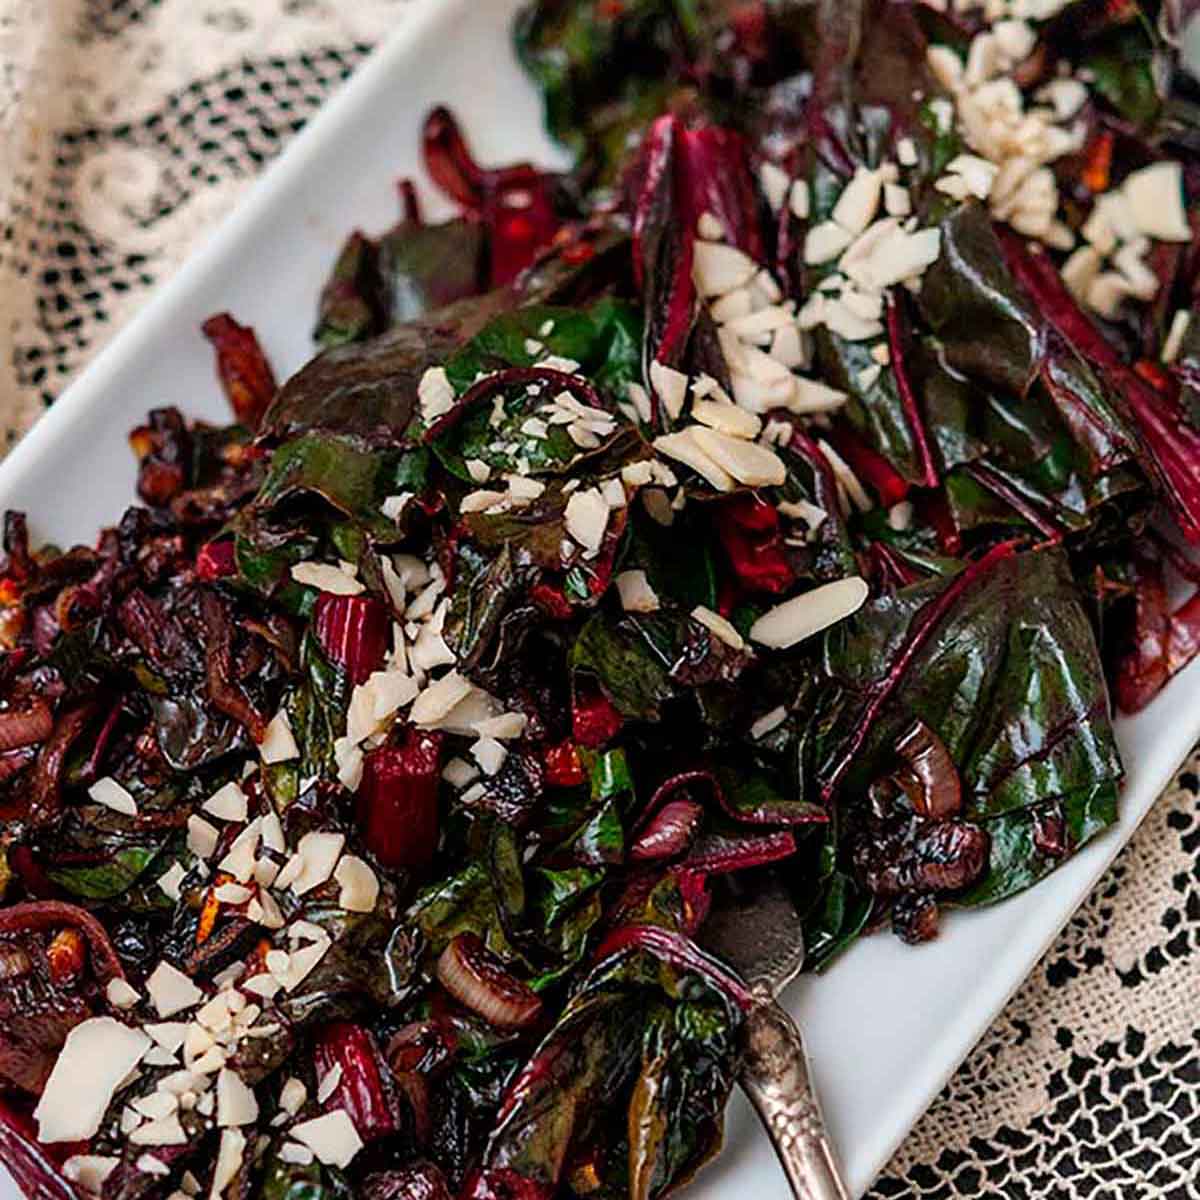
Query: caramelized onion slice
[
  {"x": 939, "y": 794},
  {"x": 669, "y": 832},
  {"x": 479, "y": 981}
]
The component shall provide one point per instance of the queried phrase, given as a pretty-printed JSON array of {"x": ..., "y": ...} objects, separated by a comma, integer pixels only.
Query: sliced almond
[
  {"x": 747, "y": 462},
  {"x": 727, "y": 418},
  {"x": 1107, "y": 292},
  {"x": 236, "y": 1103},
  {"x": 1081, "y": 269},
  {"x": 279, "y": 743},
  {"x": 824, "y": 242},
  {"x": 718, "y": 268},
  {"x": 481, "y": 500},
  {"x": 358, "y": 883},
  {"x": 332, "y": 1137},
  {"x": 171, "y": 991},
  {"x": 227, "y": 803},
  {"x": 635, "y": 592},
  {"x": 787, "y": 347},
  {"x": 758, "y": 396},
  {"x": 1175, "y": 335},
  {"x": 435, "y": 394},
  {"x": 757, "y": 327},
  {"x": 718, "y": 626},
  {"x": 1143, "y": 283},
  {"x": 683, "y": 447},
  {"x": 202, "y": 837},
  {"x": 775, "y": 183},
  {"x": 798, "y": 200},
  {"x": 896, "y": 200},
  {"x": 670, "y": 386},
  {"x": 326, "y": 577},
  {"x": 846, "y": 477},
  {"x": 859, "y": 201},
  {"x": 586, "y": 518},
  {"x": 111, "y": 794},
  {"x": 97, "y": 1056},
  {"x": 880, "y": 259},
  {"x": 802, "y": 616},
  {"x": 319, "y": 853},
  {"x": 738, "y": 303},
  {"x": 846, "y": 323},
  {"x": 439, "y": 698}
]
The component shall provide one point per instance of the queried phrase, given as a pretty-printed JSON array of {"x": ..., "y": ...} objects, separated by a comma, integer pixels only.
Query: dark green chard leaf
[
  {"x": 602, "y": 838},
  {"x": 568, "y": 907},
  {"x": 1017, "y": 860},
  {"x": 352, "y": 303},
  {"x": 426, "y": 267},
  {"x": 371, "y": 965},
  {"x": 614, "y": 653},
  {"x": 589, "y": 828},
  {"x": 618, "y": 326},
  {"x": 874, "y": 411},
  {"x": 753, "y": 796},
  {"x": 1123, "y": 59},
  {"x": 603, "y": 75},
  {"x": 504, "y": 447},
  {"x": 463, "y": 902},
  {"x": 1041, "y": 417},
  {"x": 317, "y": 709},
  {"x": 836, "y": 919},
  {"x": 1009, "y": 678},
  {"x": 641, "y": 660},
  {"x": 605, "y": 339},
  {"x": 632, "y": 1081},
  {"x": 340, "y": 487},
  {"x": 673, "y": 1114},
  {"x": 352, "y": 481},
  {"x": 107, "y": 880},
  {"x": 367, "y": 392},
  {"x": 678, "y": 559},
  {"x": 481, "y": 601}
]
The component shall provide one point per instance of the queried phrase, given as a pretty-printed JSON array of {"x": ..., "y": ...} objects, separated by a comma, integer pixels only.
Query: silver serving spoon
[{"x": 760, "y": 935}]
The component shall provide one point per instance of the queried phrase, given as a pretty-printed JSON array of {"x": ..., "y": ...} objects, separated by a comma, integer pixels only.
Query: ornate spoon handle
[{"x": 776, "y": 1078}]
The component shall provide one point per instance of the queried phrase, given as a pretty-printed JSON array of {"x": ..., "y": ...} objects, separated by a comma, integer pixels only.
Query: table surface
[{"x": 127, "y": 130}]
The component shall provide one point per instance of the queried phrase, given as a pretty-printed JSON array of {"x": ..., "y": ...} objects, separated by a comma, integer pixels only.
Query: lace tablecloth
[{"x": 128, "y": 127}]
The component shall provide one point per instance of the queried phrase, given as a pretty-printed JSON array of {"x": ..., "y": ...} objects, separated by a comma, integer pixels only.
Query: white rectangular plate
[{"x": 888, "y": 1024}]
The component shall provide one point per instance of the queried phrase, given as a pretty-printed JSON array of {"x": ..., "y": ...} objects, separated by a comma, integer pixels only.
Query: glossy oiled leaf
[
  {"x": 1031, "y": 407},
  {"x": 1017, "y": 862},
  {"x": 632, "y": 676},
  {"x": 603, "y": 74},
  {"x": 426, "y": 267},
  {"x": 106, "y": 880},
  {"x": 658, "y": 1046},
  {"x": 366, "y": 392},
  {"x": 352, "y": 481},
  {"x": 1009, "y": 678},
  {"x": 603, "y": 339},
  {"x": 876, "y": 410}
]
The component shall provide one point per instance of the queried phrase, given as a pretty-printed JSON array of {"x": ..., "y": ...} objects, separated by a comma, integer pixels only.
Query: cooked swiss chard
[{"x": 781, "y": 488}]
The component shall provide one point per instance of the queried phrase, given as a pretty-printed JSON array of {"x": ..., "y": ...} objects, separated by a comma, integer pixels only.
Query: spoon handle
[{"x": 777, "y": 1080}]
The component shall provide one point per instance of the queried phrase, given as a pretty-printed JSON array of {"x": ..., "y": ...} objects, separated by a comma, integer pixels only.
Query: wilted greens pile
[{"x": 782, "y": 488}]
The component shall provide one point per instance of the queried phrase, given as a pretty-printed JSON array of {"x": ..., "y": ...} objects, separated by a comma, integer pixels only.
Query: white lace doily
[{"x": 127, "y": 127}]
